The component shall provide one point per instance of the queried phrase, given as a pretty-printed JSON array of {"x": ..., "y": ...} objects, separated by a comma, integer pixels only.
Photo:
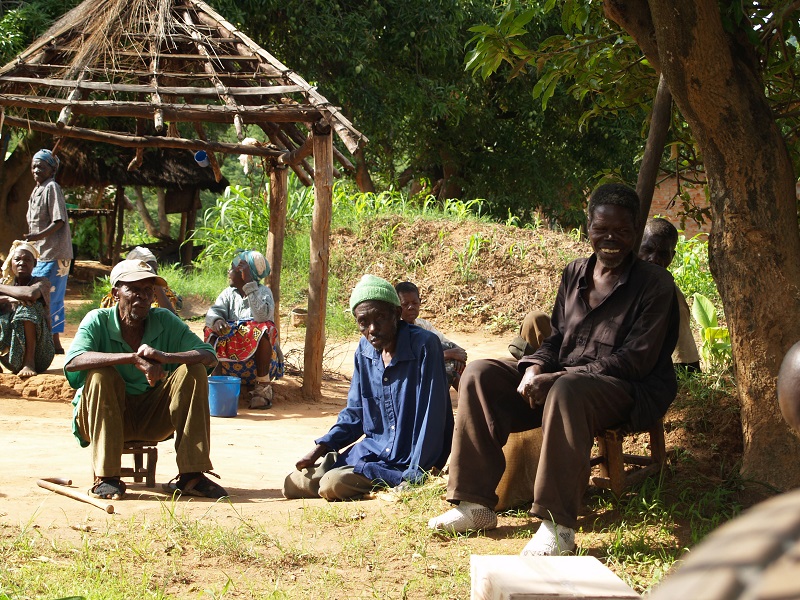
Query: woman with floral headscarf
[
  {"x": 48, "y": 229},
  {"x": 26, "y": 344},
  {"x": 240, "y": 326}
]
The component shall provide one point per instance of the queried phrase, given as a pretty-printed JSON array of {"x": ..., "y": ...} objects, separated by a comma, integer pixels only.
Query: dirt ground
[{"x": 252, "y": 452}]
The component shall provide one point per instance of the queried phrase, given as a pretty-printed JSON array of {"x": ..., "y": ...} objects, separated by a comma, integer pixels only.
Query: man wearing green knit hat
[{"x": 398, "y": 423}]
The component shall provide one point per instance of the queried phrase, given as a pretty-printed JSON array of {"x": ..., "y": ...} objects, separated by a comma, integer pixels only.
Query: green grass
[
  {"x": 345, "y": 549},
  {"x": 330, "y": 551},
  {"x": 206, "y": 281}
]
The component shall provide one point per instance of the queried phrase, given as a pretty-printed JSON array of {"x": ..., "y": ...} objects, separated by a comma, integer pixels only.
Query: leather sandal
[
  {"x": 196, "y": 484},
  {"x": 108, "y": 488}
]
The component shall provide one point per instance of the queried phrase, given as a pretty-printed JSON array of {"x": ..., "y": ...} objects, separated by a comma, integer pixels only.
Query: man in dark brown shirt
[{"x": 607, "y": 363}]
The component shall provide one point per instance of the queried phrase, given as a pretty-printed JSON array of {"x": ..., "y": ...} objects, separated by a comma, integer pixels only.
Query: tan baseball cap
[{"x": 134, "y": 270}]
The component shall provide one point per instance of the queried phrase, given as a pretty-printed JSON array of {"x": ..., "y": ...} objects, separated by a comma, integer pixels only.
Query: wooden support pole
[
  {"x": 188, "y": 221},
  {"x": 298, "y": 170},
  {"x": 119, "y": 207},
  {"x": 320, "y": 259},
  {"x": 291, "y": 131},
  {"x": 109, "y": 233},
  {"x": 278, "y": 200},
  {"x": 212, "y": 158}
]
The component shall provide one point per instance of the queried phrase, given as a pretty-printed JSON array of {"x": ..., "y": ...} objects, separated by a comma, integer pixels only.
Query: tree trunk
[
  {"x": 16, "y": 186},
  {"x": 363, "y": 179},
  {"x": 149, "y": 225},
  {"x": 755, "y": 244},
  {"x": 449, "y": 188}
]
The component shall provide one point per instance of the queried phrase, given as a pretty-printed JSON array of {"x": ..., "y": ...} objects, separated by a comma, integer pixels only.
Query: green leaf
[
  {"x": 548, "y": 92},
  {"x": 704, "y": 312}
]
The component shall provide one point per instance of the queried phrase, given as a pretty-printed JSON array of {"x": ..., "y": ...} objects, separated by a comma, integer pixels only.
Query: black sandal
[
  {"x": 108, "y": 488},
  {"x": 196, "y": 484}
]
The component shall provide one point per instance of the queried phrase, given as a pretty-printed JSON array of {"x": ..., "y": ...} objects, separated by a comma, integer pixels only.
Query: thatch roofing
[
  {"x": 101, "y": 165},
  {"x": 110, "y": 70}
]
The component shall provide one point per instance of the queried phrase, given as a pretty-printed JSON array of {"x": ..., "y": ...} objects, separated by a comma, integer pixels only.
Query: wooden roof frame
[{"x": 137, "y": 68}]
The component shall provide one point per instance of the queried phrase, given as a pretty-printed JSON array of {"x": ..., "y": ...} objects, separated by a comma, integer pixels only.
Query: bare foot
[{"x": 25, "y": 372}]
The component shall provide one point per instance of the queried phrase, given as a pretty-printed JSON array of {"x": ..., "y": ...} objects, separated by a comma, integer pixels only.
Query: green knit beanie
[{"x": 373, "y": 288}]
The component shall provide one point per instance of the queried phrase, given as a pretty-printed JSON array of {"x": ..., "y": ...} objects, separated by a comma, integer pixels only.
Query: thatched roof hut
[{"x": 149, "y": 74}]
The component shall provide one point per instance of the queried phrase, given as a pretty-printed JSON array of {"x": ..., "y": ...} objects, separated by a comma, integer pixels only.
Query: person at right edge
[{"x": 606, "y": 364}]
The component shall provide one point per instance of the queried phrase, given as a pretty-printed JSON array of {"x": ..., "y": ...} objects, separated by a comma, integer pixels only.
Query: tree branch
[
  {"x": 651, "y": 162},
  {"x": 634, "y": 17}
]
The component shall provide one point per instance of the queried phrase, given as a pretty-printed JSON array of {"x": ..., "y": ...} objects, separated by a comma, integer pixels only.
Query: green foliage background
[{"x": 397, "y": 69}]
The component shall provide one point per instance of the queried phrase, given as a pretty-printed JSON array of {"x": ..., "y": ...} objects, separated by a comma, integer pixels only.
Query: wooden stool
[
  {"x": 612, "y": 460},
  {"x": 139, "y": 472}
]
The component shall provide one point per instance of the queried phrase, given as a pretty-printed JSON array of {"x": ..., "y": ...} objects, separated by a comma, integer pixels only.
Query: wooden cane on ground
[{"x": 57, "y": 485}]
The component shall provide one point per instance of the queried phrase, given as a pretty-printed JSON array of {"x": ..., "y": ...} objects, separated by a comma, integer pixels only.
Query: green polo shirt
[{"x": 100, "y": 332}]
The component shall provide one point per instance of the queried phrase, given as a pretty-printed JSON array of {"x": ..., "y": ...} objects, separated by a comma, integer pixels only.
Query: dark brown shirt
[{"x": 630, "y": 335}]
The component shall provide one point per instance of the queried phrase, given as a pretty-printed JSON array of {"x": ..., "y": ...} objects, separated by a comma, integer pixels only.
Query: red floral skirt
[{"x": 236, "y": 349}]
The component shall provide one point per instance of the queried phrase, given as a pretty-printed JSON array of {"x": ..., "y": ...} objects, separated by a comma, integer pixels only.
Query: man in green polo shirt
[{"x": 141, "y": 374}]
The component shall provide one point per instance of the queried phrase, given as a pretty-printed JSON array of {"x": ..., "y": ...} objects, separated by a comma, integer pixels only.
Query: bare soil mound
[
  {"x": 44, "y": 387},
  {"x": 470, "y": 274}
]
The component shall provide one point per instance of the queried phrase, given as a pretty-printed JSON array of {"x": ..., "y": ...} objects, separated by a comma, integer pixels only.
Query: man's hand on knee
[{"x": 535, "y": 386}]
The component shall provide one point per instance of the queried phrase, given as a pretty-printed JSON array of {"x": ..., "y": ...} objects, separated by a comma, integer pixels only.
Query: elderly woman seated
[
  {"x": 26, "y": 341},
  {"x": 240, "y": 327}
]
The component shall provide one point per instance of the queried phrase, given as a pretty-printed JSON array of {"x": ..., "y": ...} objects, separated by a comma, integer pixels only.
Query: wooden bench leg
[
  {"x": 152, "y": 458},
  {"x": 137, "y": 466},
  {"x": 143, "y": 470},
  {"x": 615, "y": 463},
  {"x": 658, "y": 446}
]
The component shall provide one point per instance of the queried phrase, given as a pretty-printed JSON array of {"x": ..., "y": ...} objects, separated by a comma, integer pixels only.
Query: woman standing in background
[{"x": 48, "y": 228}]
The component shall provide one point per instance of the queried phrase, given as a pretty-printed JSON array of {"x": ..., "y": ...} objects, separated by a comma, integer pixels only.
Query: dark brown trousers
[{"x": 489, "y": 409}]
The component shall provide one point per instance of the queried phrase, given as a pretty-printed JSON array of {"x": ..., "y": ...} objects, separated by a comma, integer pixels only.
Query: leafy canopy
[
  {"x": 597, "y": 61},
  {"x": 397, "y": 69}
]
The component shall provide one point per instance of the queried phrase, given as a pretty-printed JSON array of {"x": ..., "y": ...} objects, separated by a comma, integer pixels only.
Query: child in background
[{"x": 455, "y": 357}]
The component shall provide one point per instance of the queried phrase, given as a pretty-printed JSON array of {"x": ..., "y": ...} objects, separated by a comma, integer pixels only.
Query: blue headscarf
[
  {"x": 259, "y": 267},
  {"x": 47, "y": 156}
]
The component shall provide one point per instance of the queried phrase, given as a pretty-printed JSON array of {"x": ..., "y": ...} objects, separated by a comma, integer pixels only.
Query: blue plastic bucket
[{"x": 223, "y": 395}]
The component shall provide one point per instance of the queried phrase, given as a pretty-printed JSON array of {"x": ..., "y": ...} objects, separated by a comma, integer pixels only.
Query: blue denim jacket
[{"x": 403, "y": 411}]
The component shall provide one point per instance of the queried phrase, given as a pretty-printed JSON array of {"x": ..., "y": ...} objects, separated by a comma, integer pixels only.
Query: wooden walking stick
[{"x": 58, "y": 485}]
